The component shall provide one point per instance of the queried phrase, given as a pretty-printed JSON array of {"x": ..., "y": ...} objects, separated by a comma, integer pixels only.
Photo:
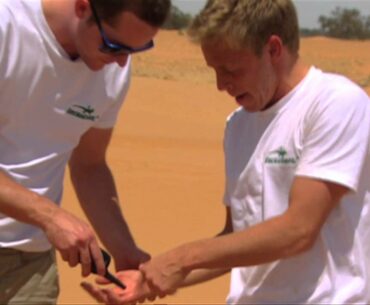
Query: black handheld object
[{"x": 109, "y": 276}]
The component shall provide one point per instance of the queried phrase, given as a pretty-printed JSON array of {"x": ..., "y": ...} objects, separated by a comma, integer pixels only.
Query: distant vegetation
[
  {"x": 177, "y": 20},
  {"x": 346, "y": 23},
  {"x": 342, "y": 23}
]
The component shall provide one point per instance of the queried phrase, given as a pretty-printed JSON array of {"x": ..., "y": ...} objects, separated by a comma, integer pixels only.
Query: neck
[
  {"x": 59, "y": 16},
  {"x": 292, "y": 71}
]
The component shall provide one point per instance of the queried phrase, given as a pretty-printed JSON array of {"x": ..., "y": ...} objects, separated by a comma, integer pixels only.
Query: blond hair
[{"x": 247, "y": 23}]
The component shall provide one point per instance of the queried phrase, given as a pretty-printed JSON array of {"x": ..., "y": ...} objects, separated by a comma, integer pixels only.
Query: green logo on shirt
[
  {"x": 83, "y": 112},
  {"x": 280, "y": 156}
]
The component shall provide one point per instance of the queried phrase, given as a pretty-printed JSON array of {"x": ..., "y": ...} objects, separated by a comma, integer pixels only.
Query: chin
[
  {"x": 95, "y": 69},
  {"x": 93, "y": 64},
  {"x": 96, "y": 66}
]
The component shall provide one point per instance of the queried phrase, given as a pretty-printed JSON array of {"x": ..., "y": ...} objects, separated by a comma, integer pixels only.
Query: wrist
[
  {"x": 44, "y": 213},
  {"x": 130, "y": 258},
  {"x": 187, "y": 257}
]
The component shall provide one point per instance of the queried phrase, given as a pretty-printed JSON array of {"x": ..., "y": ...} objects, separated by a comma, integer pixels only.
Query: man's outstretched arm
[{"x": 287, "y": 235}]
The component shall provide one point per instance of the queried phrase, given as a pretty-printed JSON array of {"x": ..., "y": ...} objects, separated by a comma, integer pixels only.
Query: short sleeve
[{"x": 336, "y": 137}]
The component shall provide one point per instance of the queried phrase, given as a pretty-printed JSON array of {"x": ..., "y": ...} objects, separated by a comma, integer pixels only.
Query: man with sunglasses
[{"x": 64, "y": 73}]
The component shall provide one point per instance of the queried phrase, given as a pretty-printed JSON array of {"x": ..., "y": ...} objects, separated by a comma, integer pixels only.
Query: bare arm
[
  {"x": 137, "y": 289},
  {"x": 284, "y": 236},
  {"x": 24, "y": 205},
  {"x": 289, "y": 234},
  {"x": 202, "y": 275},
  {"x": 69, "y": 235},
  {"x": 96, "y": 191}
]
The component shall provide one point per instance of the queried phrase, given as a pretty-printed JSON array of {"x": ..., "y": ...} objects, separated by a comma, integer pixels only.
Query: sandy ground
[{"x": 166, "y": 153}]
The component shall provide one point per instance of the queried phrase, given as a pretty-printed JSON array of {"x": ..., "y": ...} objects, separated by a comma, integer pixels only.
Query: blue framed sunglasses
[{"x": 114, "y": 48}]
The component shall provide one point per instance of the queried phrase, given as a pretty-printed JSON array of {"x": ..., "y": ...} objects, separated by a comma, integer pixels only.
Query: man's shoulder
[
  {"x": 337, "y": 84},
  {"x": 337, "y": 101},
  {"x": 9, "y": 8},
  {"x": 14, "y": 14},
  {"x": 335, "y": 91}
]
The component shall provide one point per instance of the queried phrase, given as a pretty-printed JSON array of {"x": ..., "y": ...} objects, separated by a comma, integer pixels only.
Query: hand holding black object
[{"x": 109, "y": 276}]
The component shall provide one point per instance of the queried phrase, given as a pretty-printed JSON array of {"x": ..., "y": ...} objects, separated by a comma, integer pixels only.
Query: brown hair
[
  {"x": 247, "y": 23},
  {"x": 153, "y": 12}
]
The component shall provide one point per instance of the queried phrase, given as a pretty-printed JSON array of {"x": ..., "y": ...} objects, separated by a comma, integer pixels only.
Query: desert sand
[{"x": 166, "y": 153}]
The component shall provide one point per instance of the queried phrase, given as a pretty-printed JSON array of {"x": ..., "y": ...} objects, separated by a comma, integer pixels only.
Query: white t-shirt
[
  {"x": 321, "y": 130},
  {"x": 47, "y": 101}
]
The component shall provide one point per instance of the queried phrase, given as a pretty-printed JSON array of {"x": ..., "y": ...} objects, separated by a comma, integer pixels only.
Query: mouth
[{"x": 239, "y": 98}]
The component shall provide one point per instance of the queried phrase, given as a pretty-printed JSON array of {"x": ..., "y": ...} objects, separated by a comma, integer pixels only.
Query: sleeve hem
[{"x": 330, "y": 176}]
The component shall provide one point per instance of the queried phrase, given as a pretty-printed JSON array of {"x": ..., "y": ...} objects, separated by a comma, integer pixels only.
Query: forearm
[
  {"x": 98, "y": 197},
  {"x": 24, "y": 205},
  {"x": 202, "y": 275},
  {"x": 269, "y": 241},
  {"x": 70, "y": 236},
  {"x": 295, "y": 231}
]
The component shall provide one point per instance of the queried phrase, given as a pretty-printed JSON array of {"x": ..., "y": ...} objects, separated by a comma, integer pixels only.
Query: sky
[{"x": 308, "y": 10}]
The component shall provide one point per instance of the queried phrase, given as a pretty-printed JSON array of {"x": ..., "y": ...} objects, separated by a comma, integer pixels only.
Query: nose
[
  {"x": 223, "y": 83},
  {"x": 121, "y": 59}
]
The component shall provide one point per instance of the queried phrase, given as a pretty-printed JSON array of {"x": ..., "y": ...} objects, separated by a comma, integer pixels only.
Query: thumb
[{"x": 102, "y": 280}]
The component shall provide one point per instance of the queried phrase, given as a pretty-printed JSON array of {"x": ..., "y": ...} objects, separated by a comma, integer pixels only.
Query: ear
[
  {"x": 275, "y": 47},
  {"x": 82, "y": 8}
]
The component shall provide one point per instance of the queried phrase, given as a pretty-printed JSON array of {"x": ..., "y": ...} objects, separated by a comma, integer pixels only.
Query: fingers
[
  {"x": 95, "y": 292},
  {"x": 161, "y": 282},
  {"x": 85, "y": 261},
  {"x": 73, "y": 258},
  {"x": 109, "y": 296},
  {"x": 137, "y": 290},
  {"x": 76, "y": 242},
  {"x": 112, "y": 297},
  {"x": 85, "y": 255},
  {"x": 65, "y": 255},
  {"x": 100, "y": 280},
  {"x": 150, "y": 298},
  {"x": 97, "y": 256},
  {"x": 152, "y": 290}
]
